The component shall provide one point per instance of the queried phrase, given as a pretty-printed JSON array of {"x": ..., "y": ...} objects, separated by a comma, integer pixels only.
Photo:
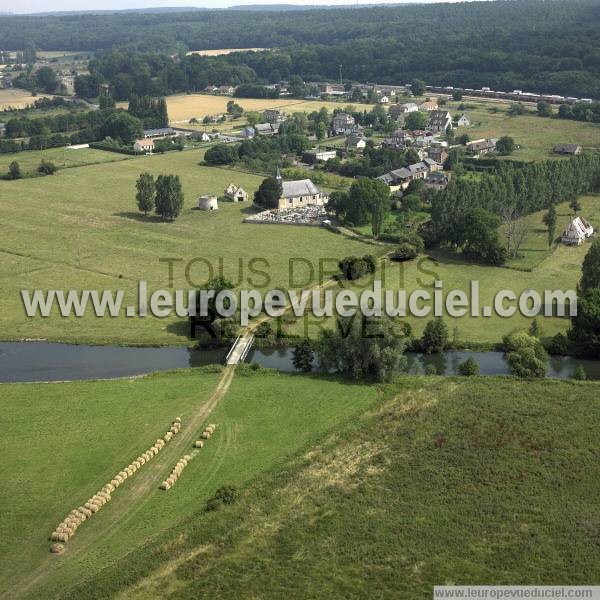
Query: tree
[
  {"x": 435, "y": 336},
  {"x": 368, "y": 200},
  {"x": 169, "y": 196},
  {"x": 477, "y": 233},
  {"x": 417, "y": 87},
  {"x": 534, "y": 329},
  {"x": 404, "y": 252},
  {"x": 525, "y": 355},
  {"x": 590, "y": 270},
  {"x": 45, "y": 79},
  {"x": 146, "y": 193},
  {"x": 221, "y": 154},
  {"x": 468, "y": 368},
  {"x": 575, "y": 205},
  {"x": 320, "y": 130},
  {"x": 544, "y": 109},
  {"x": 362, "y": 348},
  {"x": 253, "y": 118},
  {"x": 550, "y": 222},
  {"x": 579, "y": 374},
  {"x": 505, "y": 145},
  {"x": 515, "y": 229},
  {"x": 14, "y": 170},
  {"x": 121, "y": 125},
  {"x": 416, "y": 120},
  {"x": 268, "y": 193},
  {"x": 585, "y": 326},
  {"x": 303, "y": 356},
  {"x": 457, "y": 95}
]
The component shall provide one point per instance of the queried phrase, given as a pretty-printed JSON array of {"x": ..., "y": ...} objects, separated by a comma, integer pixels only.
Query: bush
[
  {"x": 226, "y": 494},
  {"x": 404, "y": 252},
  {"x": 430, "y": 370},
  {"x": 47, "y": 168},
  {"x": 559, "y": 345},
  {"x": 407, "y": 237},
  {"x": 221, "y": 154},
  {"x": 303, "y": 356},
  {"x": 435, "y": 337},
  {"x": 525, "y": 355},
  {"x": 263, "y": 330},
  {"x": 355, "y": 267},
  {"x": 468, "y": 368},
  {"x": 579, "y": 373}
]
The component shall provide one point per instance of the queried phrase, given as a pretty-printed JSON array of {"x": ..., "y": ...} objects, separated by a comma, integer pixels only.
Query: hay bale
[
  {"x": 198, "y": 444},
  {"x": 165, "y": 485},
  {"x": 213, "y": 425},
  {"x": 205, "y": 435},
  {"x": 57, "y": 548},
  {"x": 59, "y": 537},
  {"x": 177, "y": 420}
]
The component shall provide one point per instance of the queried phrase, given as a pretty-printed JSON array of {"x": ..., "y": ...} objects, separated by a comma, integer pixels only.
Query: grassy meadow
[
  {"x": 80, "y": 229},
  {"x": 443, "y": 481},
  {"x": 63, "y": 441},
  {"x": 63, "y": 158}
]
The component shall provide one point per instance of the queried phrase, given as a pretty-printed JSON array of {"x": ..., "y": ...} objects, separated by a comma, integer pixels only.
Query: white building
[
  {"x": 577, "y": 232},
  {"x": 235, "y": 193},
  {"x": 302, "y": 192},
  {"x": 145, "y": 145},
  {"x": 208, "y": 203}
]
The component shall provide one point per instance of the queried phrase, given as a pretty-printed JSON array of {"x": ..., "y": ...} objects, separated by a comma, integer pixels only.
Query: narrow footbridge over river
[{"x": 240, "y": 349}]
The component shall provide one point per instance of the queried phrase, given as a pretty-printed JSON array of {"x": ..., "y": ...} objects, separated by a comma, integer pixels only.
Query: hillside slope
[{"x": 445, "y": 481}]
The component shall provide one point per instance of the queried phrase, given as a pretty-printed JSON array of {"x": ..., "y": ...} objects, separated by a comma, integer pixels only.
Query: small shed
[
  {"x": 572, "y": 149},
  {"x": 208, "y": 203}
]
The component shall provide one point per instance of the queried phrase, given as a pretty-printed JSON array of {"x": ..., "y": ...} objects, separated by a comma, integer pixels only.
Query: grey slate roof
[{"x": 301, "y": 187}]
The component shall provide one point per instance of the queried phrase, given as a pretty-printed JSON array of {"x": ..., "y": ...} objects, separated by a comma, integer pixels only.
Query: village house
[
  {"x": 463, "y": 121},
  {"x": 208, "y": 203},
  {"x": 384, "y": 100},
  {"x": 577, "y": 232},
  {"x": 401, "y": 178},
  {"x": 355, "y": 143},
  {"x": 436, "y": 181},
  {"x": 273, "y": 116},
  {"x": 235, "y": 193},
  {"x": 266, "y": 129},
  {"x": 400, "y": 110},
  {"x": 344, "y": 124},
  {"x": 481, "y": 147},
  {"x": 428, "y": 105},
  {"x": 438, "y": 153},
  {"x": 422, "y": 139},
  {"x": 440, "y": 121},
  {"x": 144, "y": 145},
  {"x": 316, "y": 154},
  {"x": 399, "y": 139},
  {"x": 572, "y": 149}
]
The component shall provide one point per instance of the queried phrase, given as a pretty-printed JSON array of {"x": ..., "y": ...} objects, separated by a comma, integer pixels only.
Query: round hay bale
[
  {"x": 88, "y": 513},
  {"x": 213, "y": 425},
  {"x": 177, "y": 420},
  {"x": 165, "y": 485},
  {"x": 206, "y": 435},
  {"x": 198, "y": 444},
  {"x": 57, "y": 548},
  {"x": 94, "y": 507}
]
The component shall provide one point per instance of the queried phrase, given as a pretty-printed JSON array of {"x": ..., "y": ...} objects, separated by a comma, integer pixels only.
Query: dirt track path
[{"x": 132, "y": 497}]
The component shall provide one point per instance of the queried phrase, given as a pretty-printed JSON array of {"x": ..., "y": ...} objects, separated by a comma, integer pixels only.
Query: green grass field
[
  {"x": 445, "y": 481},
  {"x": 80, "y": 229},
  {"x": 536, "y": 136},
  {"x": 63, "y": 441},
  {"x": 63, "y": 158}
]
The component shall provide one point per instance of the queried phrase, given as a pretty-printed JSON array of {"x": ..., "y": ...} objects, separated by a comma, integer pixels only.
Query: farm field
[
  {"x": 265, "y": 418},
  {"x": 443, "y": 481},
  {"x": 98, "y": 240},
  {"x": 15, "y": 98},
  {"x": 63, "y": 158},
  {"x": 183, "y": 107}
]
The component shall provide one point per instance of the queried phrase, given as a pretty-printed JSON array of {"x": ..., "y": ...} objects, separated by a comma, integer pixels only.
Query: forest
[{"x": 545, "y": 46}]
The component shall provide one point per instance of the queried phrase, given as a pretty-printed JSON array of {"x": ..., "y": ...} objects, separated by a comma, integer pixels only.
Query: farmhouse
[
  {"x": 208, "y": 203},
  {"x": 436, "y": 181},
  {"x": 481, "y": 147},
  {"x": 355, "y": 143},
  {"x": 463, "y": 121},
  {"x": 398, "y": 139},
  {"x": 235, "y": 193},
  {"x": 399, "y": 110},
  {"x": 440, "y": 121},
  {"x": 315, "y": 155},
  {"x": 577, "y": 232},
  {"x": 344, "y": 123},
  {"x": 145, "y": 145},
  {"x": 438, "y": 153},
  {"x": 572, "y": 149},
  {"x": 302, "y": 192}
]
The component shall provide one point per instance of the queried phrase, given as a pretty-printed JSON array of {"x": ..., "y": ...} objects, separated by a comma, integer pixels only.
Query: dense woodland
[{"x": 545, "y": 46}]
